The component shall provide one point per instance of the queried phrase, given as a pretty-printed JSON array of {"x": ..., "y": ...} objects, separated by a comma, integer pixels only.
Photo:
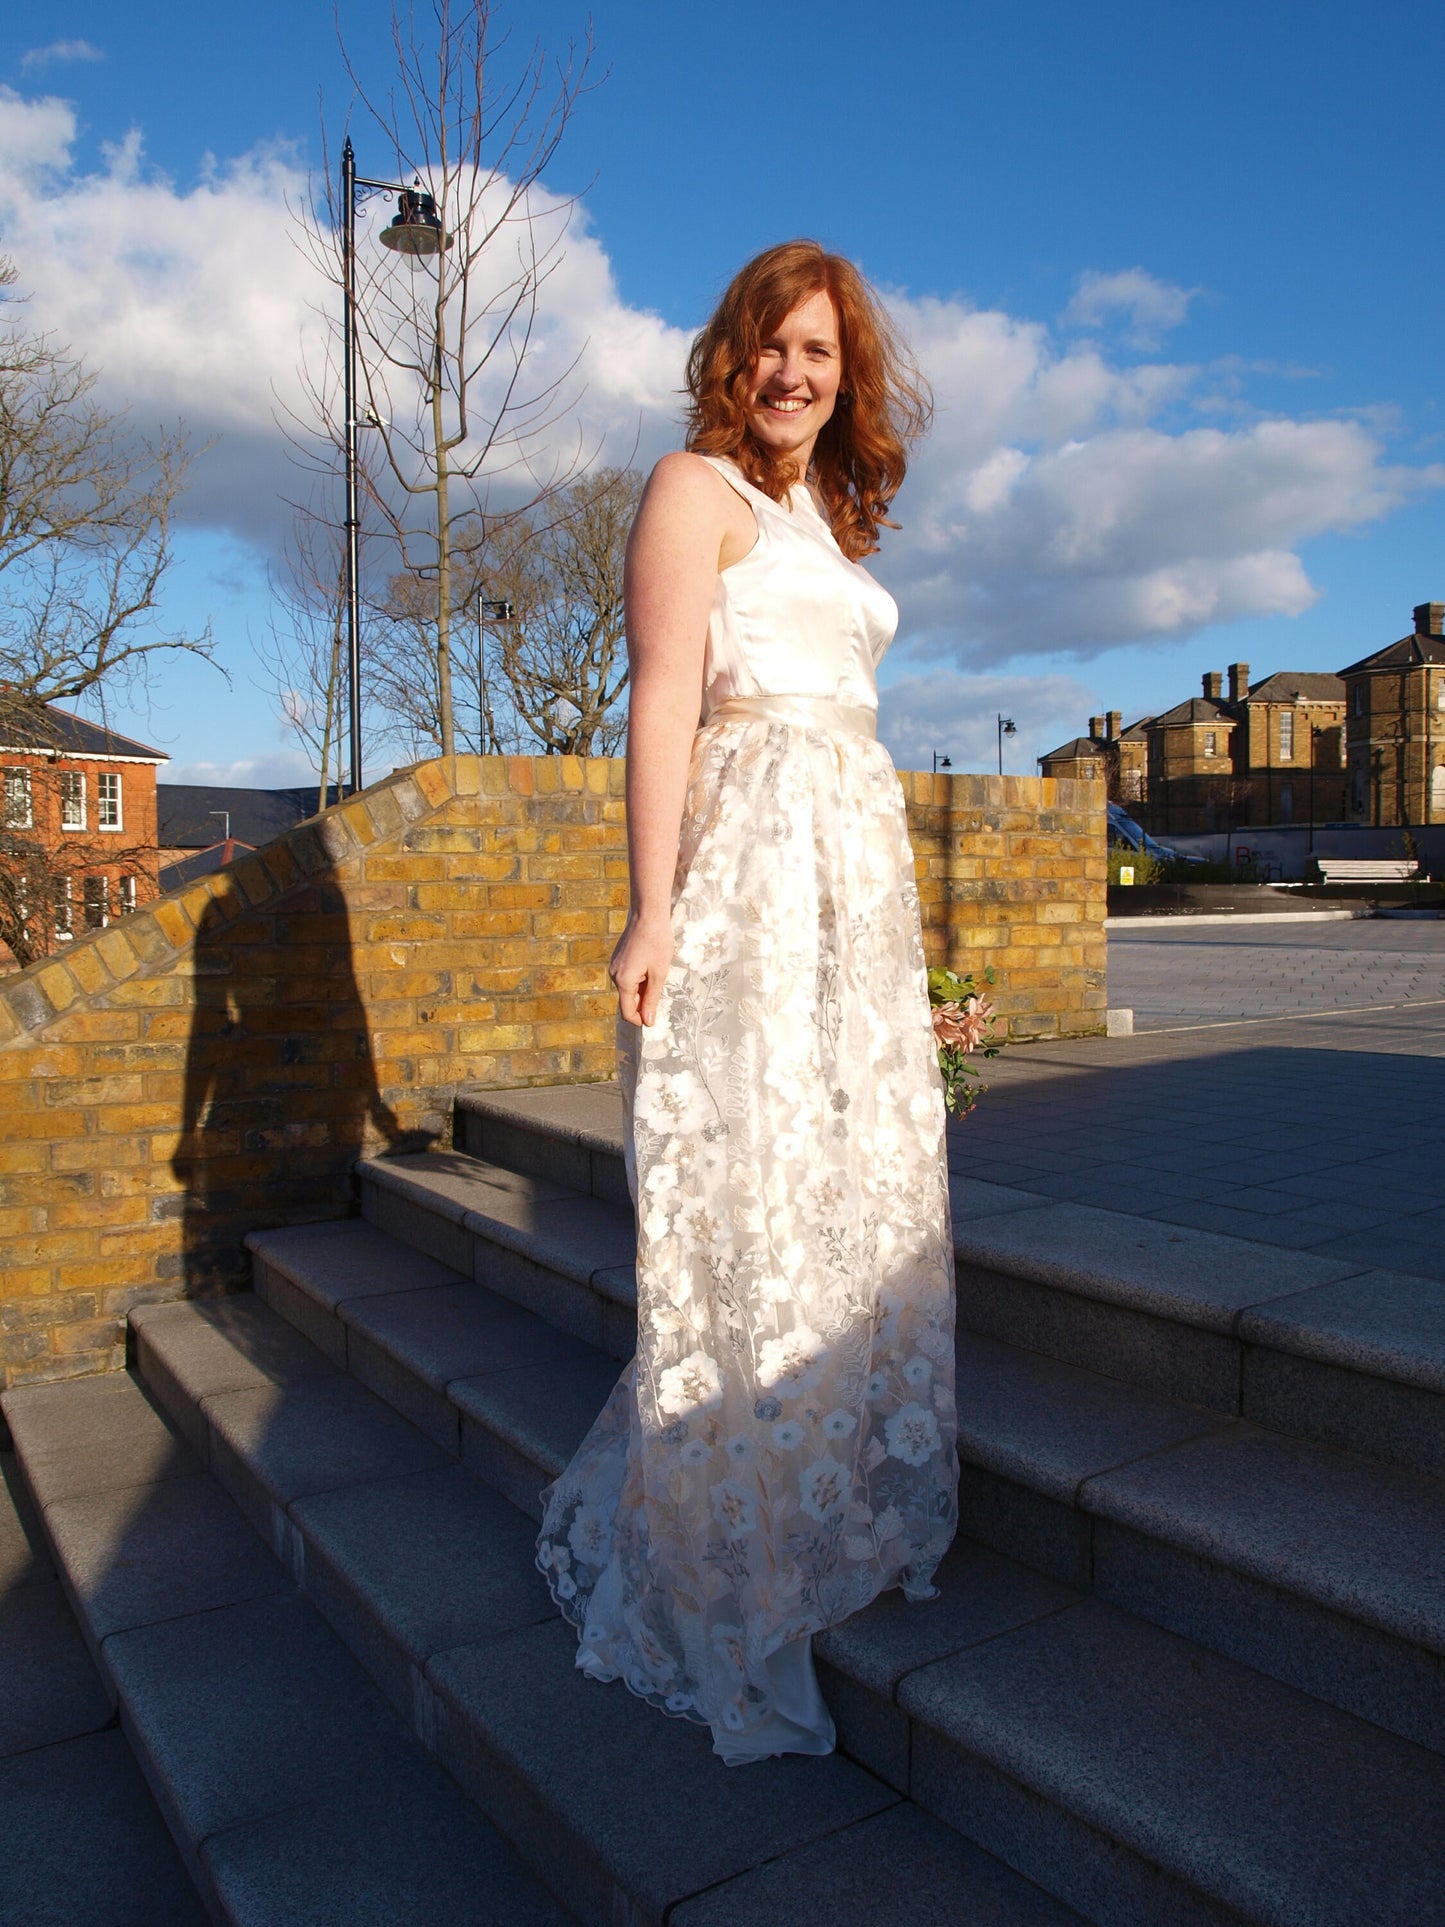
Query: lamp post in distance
[
  {"x": 416, "y": 231},
  {"x": 487, "y": 612},
  {"x": 941, "y": 762},
  {"x": 1006, "y": 727}
]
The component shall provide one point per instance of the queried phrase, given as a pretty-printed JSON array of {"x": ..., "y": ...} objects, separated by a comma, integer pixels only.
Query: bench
[{"x": 1353, "y": 869}]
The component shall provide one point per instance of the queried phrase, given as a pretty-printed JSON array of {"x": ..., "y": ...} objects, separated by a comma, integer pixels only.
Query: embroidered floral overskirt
[{"x": 782, "y": 1448}]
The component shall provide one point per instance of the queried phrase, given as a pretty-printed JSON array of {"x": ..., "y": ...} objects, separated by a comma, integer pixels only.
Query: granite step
[
  {"x": 427, "y": 1574},
  {"x": 1325, "y": 1571},
  {"x": 1322, "y": 1348},
  {"x": 1137, "y": 1856},
  {"x": 288, "y": 1785}
]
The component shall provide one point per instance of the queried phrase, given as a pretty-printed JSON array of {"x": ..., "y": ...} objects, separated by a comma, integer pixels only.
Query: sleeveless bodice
[{"x": 795, "y": 617}]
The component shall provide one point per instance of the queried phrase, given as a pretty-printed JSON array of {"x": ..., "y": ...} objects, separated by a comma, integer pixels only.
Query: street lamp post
[
  {"x": 415, "y": 230},
  {"x": 1006, "y": 727},
  {"x": 941, "y": 762},
  {"x": 487, "y": 612}
]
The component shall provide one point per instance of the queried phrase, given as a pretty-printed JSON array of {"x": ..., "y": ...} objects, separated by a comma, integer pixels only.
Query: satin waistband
[{"x": 800, "y": 712}]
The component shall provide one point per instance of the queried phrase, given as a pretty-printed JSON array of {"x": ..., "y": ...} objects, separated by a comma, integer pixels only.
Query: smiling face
[{"x": 794, "y": 386}]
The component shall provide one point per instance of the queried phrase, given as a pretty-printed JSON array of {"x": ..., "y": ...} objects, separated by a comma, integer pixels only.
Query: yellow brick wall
[{"x": 216, "y": 1062}]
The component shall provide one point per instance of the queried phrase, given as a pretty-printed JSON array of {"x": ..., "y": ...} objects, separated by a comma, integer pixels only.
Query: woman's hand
[{"x": 639, "y": 967}]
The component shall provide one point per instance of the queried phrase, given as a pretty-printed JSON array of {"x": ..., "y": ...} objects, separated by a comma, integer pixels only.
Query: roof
[
  {"x": 1298, "y": 685},
  {"x": 1137, "y": 732},
  {"x": 1080, "y": 746},
  {"x": 188, "y": 813},
  {"x": 1198, "y": 709},
  {"x": 203, "y": 863},
  {"x": 1410, "y": 652},
  {"x": 60, "y": 732}
]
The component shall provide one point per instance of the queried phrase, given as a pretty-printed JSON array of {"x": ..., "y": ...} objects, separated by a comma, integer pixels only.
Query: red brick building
[{"x": 77, "y": 827}]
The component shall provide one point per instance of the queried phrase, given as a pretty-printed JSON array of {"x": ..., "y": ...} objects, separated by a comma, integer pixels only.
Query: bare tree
[
  {"x": 304, "y": 657},
  {"x": 552, "y": 677},
  {"x": 463, "y": 429},
  {"x": 86, "y": 506}
]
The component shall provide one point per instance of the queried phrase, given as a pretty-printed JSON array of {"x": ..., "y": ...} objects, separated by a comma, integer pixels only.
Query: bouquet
[{"x": 963, "y": 1027}]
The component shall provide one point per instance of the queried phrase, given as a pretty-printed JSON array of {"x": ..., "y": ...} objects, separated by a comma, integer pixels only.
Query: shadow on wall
[{"x": 280, "y": 1090}]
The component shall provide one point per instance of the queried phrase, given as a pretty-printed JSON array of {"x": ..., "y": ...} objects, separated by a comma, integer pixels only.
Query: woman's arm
[{"x": 678, "y": 542}]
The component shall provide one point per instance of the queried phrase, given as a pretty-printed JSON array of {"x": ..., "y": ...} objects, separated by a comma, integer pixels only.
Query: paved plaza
[
  {"x": 1172, "y": 974},
  {"x": 1287, "y": 1125}
]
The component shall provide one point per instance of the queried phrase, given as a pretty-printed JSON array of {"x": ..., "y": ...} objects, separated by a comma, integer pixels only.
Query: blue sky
[{"x": 1271, "y": 172}]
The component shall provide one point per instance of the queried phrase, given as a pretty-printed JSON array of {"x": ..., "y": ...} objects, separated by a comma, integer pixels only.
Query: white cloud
[
  {"x": 60, "y": 52},
  {"x": 957, "y": 716},
  {"x": 1068, "y": 499},
  {"x": 1148, "y": 307},
  {"x": 278, "y": 769}
]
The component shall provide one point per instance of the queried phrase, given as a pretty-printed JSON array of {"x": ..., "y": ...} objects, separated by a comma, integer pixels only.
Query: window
[
  {"x": 1211, "y": 742},
  {"x": 1437, "y": 790},
  {"x": 1359, "y": 699},
  {"x": 72, "y": 799},
  {"x": 1286, "y": 736},
  {"x": 1286, "y": 802},
  {"x": 107, "y": 803},
  {"x": 64, "y": 920},
  {"x": 97, "y": 902},
  {"x": 18, "y": 813},
  {"x": 127, "y": 895},
  {"x": 1440, "y": 695}
]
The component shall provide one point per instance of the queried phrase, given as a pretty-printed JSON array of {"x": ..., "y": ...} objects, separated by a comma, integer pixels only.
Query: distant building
[
  {"x": 77, "y": 823},
  {"x": 198, "y": 817},
  {"x": 1268, "y": 752},
  {"x": 1395, "y": 727}
]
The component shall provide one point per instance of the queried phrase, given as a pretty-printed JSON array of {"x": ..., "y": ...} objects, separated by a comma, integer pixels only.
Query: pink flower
[{"x": 962, "y": 1026}]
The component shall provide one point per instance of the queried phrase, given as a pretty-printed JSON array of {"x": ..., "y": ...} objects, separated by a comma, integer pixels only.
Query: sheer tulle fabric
[{"x": 782, "y": 1448}]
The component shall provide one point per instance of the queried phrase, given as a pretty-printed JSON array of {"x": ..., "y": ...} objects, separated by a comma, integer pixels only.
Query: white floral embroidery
[
  {"x": 794, "y": 1253},
  {"x": 691, "y": 1385},
  {"x": 912, "y": 1434}
]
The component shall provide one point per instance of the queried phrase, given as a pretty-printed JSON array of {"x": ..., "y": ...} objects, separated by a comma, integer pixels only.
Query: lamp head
[{"x": 416, "y": 227}]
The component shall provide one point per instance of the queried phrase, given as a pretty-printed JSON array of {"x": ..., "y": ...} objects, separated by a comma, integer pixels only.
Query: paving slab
[
  {"x": 280, "y": 1443},
  {"x": 1157, "y": 1268},
  {"x": 144, "y": 1553},
  {"x": 402, "y": 1847},
  {"x": 1362, "y": 1539},
  {"x": 1239, "y": 1789},
  {"x": 89, "y": 1435},
  {"x": 1052, "y": 1426},
  {"x": 622, "y": 1805},
  {"x": 85, "y": 1844},
  {"x": 896, "y": 1869},
  {"x": 349, "y": 1260},
  {"x": 1389, "y": 1323},
  {"x": 24, "y": 1560},
  {"x": 197, "y": 1349},
  {"x": 543, "y": 1411},
  {"x": 250, "y": 1710},
  {"x": 435, "y": 1559},
  {"x": 49, "y": 1688},
  {"x": 864, "y": 1659},
  {"x": 458, "y": 1331}
]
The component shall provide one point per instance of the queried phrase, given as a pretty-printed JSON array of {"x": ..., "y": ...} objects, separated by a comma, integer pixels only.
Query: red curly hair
[{"x": 883, "y": 406}]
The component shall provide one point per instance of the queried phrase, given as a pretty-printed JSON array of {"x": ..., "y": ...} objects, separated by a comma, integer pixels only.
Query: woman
[{"x": 782, "y": 1448}]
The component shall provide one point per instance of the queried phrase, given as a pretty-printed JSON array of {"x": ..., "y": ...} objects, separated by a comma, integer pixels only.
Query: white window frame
[
  {"x": 17, "y": 783},
  {"x": 95, "y": 890},
  {"x": 127, "y": 896},
  {"x": 1211, "y": 742},
  {"x": 102, "y": 801},
  {"x": 1286, "y": 735},
  {"x": 64, "y": 910},
  {"x": 72, "y": 790}
]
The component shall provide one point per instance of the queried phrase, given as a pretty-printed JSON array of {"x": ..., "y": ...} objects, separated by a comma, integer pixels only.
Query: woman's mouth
[{"x": 784, "y": 404}]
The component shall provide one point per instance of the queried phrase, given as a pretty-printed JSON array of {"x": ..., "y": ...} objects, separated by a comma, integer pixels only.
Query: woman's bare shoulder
[{"x": 682, "y": 476}]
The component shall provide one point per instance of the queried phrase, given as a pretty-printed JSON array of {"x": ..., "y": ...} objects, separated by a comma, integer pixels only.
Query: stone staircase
[{"x": 1188, "y": 1665}]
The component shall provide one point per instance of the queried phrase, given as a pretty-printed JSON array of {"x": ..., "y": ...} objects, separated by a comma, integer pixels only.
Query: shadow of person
[{"x": 280, "y": 1094}]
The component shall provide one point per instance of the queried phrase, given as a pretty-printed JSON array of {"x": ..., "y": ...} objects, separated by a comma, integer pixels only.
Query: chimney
[
  {"x": 1213, "y": 685},
  {"x": 1113, "y": 723},
  {"x": 1096, "y": 729},
  {"x": 1430, "y": 619},
  {"x": 1238, "y": 681}
]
